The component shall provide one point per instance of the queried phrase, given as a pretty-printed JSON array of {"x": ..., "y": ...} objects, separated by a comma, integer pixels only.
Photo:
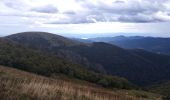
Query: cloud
[
  {"x": 69, "y": 12},
  {"x": 122, "y": 11},
  {"x": 45, "y": 9},
  {"x": 72, "y": 19},
  {"x": 15, "y": 4},
  {"x": 88, "y": 11},
  {"x": 119, "y": 1}
]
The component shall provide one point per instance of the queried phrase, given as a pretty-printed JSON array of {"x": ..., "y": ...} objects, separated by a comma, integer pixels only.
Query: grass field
[{"x": 20, "y": 85}]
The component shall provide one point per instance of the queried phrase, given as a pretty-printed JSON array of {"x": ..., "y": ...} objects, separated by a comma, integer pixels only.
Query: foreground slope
[
  {"x": 162, "y": 88},
  {"x": 19, "y": 85}
]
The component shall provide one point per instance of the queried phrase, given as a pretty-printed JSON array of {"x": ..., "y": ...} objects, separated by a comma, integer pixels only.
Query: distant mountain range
[
  {"x": 153, "y": 44},
  {"x": 138, "y": 66}
]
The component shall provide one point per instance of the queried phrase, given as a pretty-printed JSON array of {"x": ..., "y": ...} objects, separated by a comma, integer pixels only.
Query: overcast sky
[{"x": 128, "y": 17}]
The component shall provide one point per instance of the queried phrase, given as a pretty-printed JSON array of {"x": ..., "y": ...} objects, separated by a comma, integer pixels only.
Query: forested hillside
[
  {"x": 140, "y": 67},
  {"x": 18, "y": 56}
]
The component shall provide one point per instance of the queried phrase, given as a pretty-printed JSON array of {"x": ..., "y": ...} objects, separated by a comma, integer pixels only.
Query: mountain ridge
[
  {"x": 153, "y": 44},
  {"x": 135, "y": 66},
  {"x": 21, "y": 57}
]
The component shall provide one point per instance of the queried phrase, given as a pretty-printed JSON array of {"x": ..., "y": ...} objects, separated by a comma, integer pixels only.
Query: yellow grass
[{"x": 19, "y": 85}]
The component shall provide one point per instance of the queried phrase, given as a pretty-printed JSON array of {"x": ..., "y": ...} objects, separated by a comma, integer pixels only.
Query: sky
[{"x": 86, "y": 17}]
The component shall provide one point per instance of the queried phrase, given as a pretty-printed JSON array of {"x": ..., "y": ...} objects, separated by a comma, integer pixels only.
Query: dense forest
[{"x": 17, "y": 56}]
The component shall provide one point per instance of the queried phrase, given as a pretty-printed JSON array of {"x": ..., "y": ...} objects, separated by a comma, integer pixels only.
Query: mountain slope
[
  {"x": 21, "y": 57},
  {"x": 18, "y": 85},
  {"x": 51, "y": 43},
  {"x": 42, "y": 39},
  {"x": 135, "y": 66},
  {"x": 157, "y": 45},
  {"x": 162, "y": 88}
]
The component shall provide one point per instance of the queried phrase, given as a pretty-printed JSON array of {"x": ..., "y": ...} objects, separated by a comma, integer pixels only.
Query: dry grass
[{"x": 19, "y": 85}]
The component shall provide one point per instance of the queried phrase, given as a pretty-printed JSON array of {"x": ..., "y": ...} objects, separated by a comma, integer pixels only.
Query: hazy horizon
[{"x": 93, "y": 35}]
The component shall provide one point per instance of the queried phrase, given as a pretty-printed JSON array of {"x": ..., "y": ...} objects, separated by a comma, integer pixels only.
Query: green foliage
[
  {"x": 138, "y": 66},
  {"x": 162, "y": 88},
  {"x": 103, "y": 82},
  {"x": 23, "y": 58},
  {"x": 166, "y": 97}
]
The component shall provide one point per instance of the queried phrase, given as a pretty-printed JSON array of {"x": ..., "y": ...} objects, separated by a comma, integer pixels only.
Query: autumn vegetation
[{"x": 19, "y": 85}]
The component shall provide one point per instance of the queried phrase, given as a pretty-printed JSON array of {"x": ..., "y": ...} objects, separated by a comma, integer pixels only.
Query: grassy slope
[
  {"x": 19, "y": 85},
  {"x": 161, "y": 88}
]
